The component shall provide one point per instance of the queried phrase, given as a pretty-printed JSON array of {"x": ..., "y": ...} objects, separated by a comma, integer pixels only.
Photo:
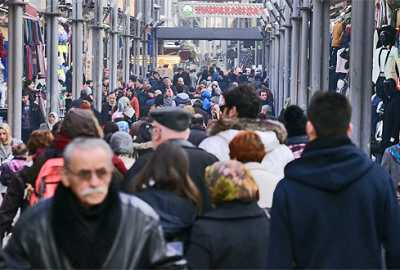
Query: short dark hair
[
  {"x": 263, "y": 91},
  {"x": 88, "y": 82},
  {"x": 245, "y": 99},
  {"x": 25, "y": 93},
  {"x": 27, "y": 83},
  {"x": 179, "y": 89},
  {"x": 144, "y": 112},
  {"x": 330, "y": 114},
  {"x": 197, "y": 120},
  {"x": 257, "y": 77}
]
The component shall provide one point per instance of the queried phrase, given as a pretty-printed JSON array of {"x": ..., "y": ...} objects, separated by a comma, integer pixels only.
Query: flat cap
[{"x": 172, "y": 117}]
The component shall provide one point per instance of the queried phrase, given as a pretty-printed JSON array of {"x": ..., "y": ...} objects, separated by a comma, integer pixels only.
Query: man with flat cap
[{"x": 172, "y": 124}]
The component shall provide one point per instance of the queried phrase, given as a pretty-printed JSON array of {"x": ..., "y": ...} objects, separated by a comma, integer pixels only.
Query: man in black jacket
[
  {"x": 108, "y": 108},
  {"x": 172, "y": 124},
  {"x": 78, "y": 102},
  {"x": 197, "y": 132},
  {"x": 87, "y": 224},
  {"x": 335, "y": 208},
  {"x": 31, "y": 116},
  {"x": 182, "y": 74}
]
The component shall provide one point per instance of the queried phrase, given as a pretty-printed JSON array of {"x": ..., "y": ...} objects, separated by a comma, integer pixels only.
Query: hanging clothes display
[
  {"x": 34, "y": 62},
  {"x": 383, "y": 13},
  {"x": 3, "y": 55}
]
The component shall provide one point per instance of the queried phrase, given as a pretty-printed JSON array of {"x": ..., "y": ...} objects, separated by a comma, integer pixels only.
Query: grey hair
[
  {"x": 85, "y": 143},
  {"x": 267, "y": 108},
  {"x": 168, "y": 79}
]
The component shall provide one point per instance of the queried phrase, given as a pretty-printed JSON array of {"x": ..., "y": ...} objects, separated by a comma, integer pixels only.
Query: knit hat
[
  {"x": 295, "y": 121},
  {"x": 121, "y": 143}
]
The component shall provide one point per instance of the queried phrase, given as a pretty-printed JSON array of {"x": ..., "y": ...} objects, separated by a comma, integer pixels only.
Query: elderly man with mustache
[{"x": 88, "y": 224}]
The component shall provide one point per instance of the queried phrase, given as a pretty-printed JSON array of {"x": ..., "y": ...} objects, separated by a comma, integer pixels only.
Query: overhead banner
[{"x": 220, "y": 10}]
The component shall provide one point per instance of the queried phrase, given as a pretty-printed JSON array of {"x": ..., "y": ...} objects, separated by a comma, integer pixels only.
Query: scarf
[
  {"x": 85, "y": 236},
  {"x": 394, "y": 151},
  {"x": 61, "y": 141}
]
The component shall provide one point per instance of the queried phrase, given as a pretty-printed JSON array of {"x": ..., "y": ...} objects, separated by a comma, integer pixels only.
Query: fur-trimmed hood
[
  {"x": 143, "y": 146},
  {"x": 249, "y": 124}
]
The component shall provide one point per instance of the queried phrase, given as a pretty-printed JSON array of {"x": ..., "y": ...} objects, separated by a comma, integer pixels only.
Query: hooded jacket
[
  {"x": 334, "y": 209},
  {"x": 182, "y": 98},
  {"x": 46, "y": 125},
  {"x": 272, "y": 133}
]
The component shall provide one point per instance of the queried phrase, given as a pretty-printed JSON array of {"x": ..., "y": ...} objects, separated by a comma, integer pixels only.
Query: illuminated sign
[{"x": 220, "y": 10}]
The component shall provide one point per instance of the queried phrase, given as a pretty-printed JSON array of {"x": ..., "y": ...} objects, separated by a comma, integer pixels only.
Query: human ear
[
  {"x": 64, "y": 178},
  {"x": 310, "y": 131}
]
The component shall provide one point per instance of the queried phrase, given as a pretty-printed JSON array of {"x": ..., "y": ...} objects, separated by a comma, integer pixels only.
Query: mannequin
[
  {"x": 391, "y": 121},
  {"x": 386, "y": 64}
]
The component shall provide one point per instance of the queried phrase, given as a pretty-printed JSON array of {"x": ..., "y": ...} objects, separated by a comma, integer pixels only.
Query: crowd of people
[{"x": 195, "y": 171}]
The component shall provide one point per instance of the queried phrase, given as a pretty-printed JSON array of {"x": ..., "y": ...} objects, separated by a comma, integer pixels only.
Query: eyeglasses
[{"x": 86, "y": 175}]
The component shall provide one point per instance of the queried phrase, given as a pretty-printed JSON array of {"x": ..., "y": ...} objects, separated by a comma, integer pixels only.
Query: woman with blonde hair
[{"x": 6, "y": 142}]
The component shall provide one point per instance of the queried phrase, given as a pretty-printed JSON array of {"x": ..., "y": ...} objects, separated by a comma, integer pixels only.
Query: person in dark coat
[
  {"x": 15, "y": 200},
  {"x": 295, "y": 124},
  {"x": 89, "y": 102},
  {"x": 266, "y": 101},
  {"x": 78, "y": 102},
  {"x": 222, "y": 84},
  {"x": 335, "y": 208},
  {"x": 198, "y": 108},
  {"x": 68, "y": 79},
  {"x": 197, "y": 132},
  {"x": 165, "y": 185},
  {"x": 257, "y": 82},
  {"x": 391, "y": 121},
  {"x": 108, "y": 108},
  {"x": 234, "y": 235},
  {"x": 172, "y": 124},
  {"x": 83, "y": 208},
  {"x": 31, "y": 117},
  {"x": 153, "y": 81},
  {"x": 181, "y": 74}
]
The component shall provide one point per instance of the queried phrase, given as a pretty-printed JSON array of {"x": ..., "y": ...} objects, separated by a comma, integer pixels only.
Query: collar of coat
[
  {"x": 235, "y": 210},
  {"x": 249, "y": 124}
]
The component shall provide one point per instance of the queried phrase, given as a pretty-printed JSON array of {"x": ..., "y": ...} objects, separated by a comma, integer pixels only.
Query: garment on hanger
[
  {"x": 337, "y": 34},
  {"x": 4, "y": 62},
  {"x": 341, "y": 62}
]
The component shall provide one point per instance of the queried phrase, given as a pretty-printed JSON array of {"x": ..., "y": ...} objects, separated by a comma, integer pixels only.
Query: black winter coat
[
  {"x": 197, "y": 135},
  {"x": 234, "y": 236},
  {"x": 185, "y": 76},
  {"x": 198, "y": 161},
  {"x": 335, "y": 209},
  {"x": 106, "y": 112},
  {"x": 176, "y": 213},
  {"x": 200, "y": 110},
  {"x": 391, "y": 122},
  {"x": 35, "y": 116},
  {"x": 138, "y": 243},
  {"x": 14, "y": 199}
]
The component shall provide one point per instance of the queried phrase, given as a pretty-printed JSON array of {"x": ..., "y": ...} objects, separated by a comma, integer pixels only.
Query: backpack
[{"x": 47, "y": 180}]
